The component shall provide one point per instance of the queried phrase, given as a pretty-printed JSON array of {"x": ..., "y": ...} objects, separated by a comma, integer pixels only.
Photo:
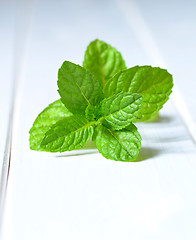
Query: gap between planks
[{"x": 23, "y": 15}]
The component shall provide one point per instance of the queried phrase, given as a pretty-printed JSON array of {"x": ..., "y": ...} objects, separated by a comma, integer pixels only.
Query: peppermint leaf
[
  {"x": 45, "y": 120},
  {"x": 93, "y": 113},
  {"x": 153, "y": 83},
  {"x": 103, "y": 61},
  {"x": 123, "y": 145},
  {"x": 120, "y": 110},
  {"x": 78, "y": 88},
  {"x": 68, "y": 134}
]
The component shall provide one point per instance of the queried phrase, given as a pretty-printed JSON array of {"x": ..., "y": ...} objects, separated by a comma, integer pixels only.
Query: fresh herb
[{"x": 100, "y": 101}]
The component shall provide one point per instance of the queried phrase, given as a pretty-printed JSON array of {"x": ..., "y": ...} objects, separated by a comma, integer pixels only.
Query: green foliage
[
  {"x": 118, "y": 111},
  {"x": 121, "y": 145},
  {"x": 68, "y": 134},
  {"x": 93, "y": 112},
  {"x": 101, "y": 101},
  {"x": 55, "y": 112},
  {"x": 153, "y": 83},
  {"x": 103, "y": 61},
  {"x": 78, "y": 88}
]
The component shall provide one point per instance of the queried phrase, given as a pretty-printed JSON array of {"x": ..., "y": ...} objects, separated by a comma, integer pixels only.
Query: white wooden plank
[
  {"x": 87, "y": 196},
  {"x": 169, "y": 28},
  {"x": 7, "y": 16},
  {"x": 15, "y": 26},
  {"x": 90, "y": 197},
  {"x": 7, "y": 24}
]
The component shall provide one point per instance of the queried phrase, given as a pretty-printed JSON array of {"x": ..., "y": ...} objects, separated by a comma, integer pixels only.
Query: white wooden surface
[
  {"x": 6, "y": 73},
  {"x": 87, "y": 196},
  {"x": 7, "y": 26}
]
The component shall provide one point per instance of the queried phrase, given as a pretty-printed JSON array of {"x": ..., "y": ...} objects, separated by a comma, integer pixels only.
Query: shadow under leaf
[
  {"x": 147, "y": 153},
  {"x": 161, "y": 119}
]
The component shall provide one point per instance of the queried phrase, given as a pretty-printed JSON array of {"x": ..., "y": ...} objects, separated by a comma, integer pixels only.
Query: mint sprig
[{"x": 101, "y": 100}]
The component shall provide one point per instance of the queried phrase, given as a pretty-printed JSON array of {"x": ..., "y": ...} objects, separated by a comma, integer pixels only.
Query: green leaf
[
  {"x": 153, "y": 83},
  {"x": 103, "y": 61},
  {"x": 120, "y": 110},
  {"x": 45, "y": 120},
  {"x": 78, "y": 88},
  {"x": 123, "y": 145},
  {"x": 93, "y": 113},
  {"x": 68, "y": 134}
]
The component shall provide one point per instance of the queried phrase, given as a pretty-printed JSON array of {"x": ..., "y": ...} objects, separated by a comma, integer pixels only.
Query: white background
[{"x": 87, "y": 196}]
